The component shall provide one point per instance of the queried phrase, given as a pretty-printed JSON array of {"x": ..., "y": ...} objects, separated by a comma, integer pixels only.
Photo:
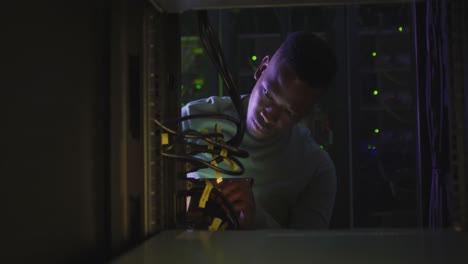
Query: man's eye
[{"x": 291, "y": 114}]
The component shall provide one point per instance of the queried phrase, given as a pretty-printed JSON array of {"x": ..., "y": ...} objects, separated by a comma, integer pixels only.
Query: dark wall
[{"x": 54, "y": 131}]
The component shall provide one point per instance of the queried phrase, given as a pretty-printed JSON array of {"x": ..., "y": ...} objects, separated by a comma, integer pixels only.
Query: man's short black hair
[{"x": 310, "y": 57}]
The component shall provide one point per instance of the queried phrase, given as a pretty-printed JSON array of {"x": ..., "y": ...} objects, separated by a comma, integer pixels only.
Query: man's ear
[{"x": 262, "y": 67}]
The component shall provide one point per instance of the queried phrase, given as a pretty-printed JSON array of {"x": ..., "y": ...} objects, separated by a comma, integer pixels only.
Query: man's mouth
[{"x": 260, "y": 126}]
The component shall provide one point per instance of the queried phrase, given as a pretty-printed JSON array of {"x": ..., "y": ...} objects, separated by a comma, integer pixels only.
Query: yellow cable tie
[
  {"x": 205, "y": 131},
  {"x": 215, "y": 224},
  {"x": 224, "y": 153},
  {"x": 205, "y": 194},
  {"x": 164, "y": 138},
  {"x": 223, "y": 226},
  {"x": 213, "y": 162},
  {"x": 218, "y": 128},
  {"x": 219, "y": 178},
  {"x": 232, "y": 164}
]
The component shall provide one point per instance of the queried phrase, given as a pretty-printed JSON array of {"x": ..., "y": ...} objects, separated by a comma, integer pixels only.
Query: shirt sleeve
[
  {"x": 314, "y": 206},
  {"x": 210, "y": 105},
  {"x": 201, "y": 106}
]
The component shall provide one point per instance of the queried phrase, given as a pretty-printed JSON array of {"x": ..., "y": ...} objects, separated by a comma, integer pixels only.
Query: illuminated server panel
[{"x": 384, "y": 119}]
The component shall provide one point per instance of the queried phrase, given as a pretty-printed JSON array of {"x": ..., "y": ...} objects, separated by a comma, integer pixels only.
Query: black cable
[
  {"x": 217, "y": 198},
  {"x": 208, "y": 164},
  {"x": 188, "y": 138},
  {"x": 193, "y": 134},
  {"x": 214, "y": 50},
  {"x": 192, "y": 149},
  {"x": 193, "y": 143}
]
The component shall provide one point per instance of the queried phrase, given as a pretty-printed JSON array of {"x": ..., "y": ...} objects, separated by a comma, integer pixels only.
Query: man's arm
[{"x": 314, "y": 206}]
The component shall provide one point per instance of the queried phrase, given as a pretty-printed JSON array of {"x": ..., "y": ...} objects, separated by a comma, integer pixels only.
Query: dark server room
[{"x": 236, "y": 131}]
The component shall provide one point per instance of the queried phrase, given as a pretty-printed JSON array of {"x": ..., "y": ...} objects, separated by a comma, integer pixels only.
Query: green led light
[
  {"x": 198, "y": 86},
  {"x": 198, "y": 51},
  {"x": 376, "y": 130},
  {"x": 254, "y": 58},
  {"x": 374, "y": 54},
  {"x": 376, "y": 92},
  {"x": 400, "y": 29},
  {"x": 182, "y": 104},
  {"x": 321, "y": 146},
  {"x": 369, "y": 147},
  {"x": 198, "y": 81}
]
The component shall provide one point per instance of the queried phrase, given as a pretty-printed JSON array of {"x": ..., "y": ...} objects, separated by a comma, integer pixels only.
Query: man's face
[{"x": 278, "y": 100}]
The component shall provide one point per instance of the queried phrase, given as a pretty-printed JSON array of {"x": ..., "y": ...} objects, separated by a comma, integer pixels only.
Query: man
[{"x": 295, "y": 180}]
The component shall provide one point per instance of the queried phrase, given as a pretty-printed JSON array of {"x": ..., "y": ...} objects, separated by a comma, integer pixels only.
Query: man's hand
[{"x": 240, "y": 195}]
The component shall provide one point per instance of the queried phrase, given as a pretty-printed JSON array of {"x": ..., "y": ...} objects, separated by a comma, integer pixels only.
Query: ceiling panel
[{"x": 177, "y": 6}]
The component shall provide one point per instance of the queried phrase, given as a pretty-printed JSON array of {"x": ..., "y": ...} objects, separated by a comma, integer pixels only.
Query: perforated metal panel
[{"x": 161, "y": 101}]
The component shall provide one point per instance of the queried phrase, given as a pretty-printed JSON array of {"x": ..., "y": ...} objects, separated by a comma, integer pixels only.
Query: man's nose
[{"x": 271, "y": 114}]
